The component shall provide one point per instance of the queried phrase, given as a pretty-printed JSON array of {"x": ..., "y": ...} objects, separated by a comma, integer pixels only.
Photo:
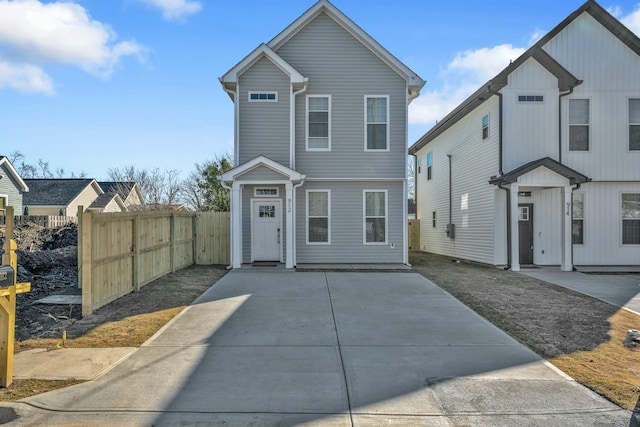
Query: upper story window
[
  {"x": 631, "y": 219},
  {"x": 263, "y": 96},
  {"x": 485, "y": 127},
  {"x": 577, "y": 219},
  {"x": 318, "y": 123},
  {"x": 530, "y": 98},
  {"x": 429, "y": 164},
  {"x": 634, "y": 124},
  {"x": 578, "y": 125},
  {"x": 376, "y": 123}
]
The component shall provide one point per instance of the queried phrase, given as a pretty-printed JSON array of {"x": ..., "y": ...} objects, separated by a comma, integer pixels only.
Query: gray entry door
[{"x": 525, "y": 233}]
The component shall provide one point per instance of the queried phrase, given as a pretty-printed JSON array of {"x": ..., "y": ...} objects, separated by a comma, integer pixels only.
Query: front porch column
[
  {"x": 566, "y": 238},
  {"x": 289, "y": 223},
  {"x": 236, "y": 225},
  {"x": 515, "y": 232}
]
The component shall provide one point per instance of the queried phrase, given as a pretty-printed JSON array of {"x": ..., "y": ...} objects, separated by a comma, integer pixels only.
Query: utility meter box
[{"x": 451, "y": 231}]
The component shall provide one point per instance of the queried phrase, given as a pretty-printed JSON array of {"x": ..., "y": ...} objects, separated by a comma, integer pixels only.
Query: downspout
[
  {"x": 500, "y": 172},
  {"x": 293, "y": 225},
  {"x": 292, "y": 123},
  {"x": 226, "y": 187},
  {"x": 569, "y": 92},
  {"x": 234, "y": 96},
  {"x": 450, "y": 192}
]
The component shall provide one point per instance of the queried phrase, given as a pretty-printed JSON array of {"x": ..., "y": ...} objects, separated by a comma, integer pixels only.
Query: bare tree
[
  {"x": 411, "y": 177},
  {"x": 41, "y": 169},
  {"x": 161, "y": 189}
]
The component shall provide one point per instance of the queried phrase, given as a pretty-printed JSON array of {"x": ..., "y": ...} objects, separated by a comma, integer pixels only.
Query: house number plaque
[{"x": 288, "y": 205}]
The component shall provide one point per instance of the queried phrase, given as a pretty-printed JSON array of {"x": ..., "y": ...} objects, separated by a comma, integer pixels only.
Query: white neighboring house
[{"x": 541, "y": 165}]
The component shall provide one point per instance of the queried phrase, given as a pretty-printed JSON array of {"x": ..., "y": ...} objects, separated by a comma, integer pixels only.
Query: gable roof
[
  {"x": 104, "y": 199},
  {"x": 56, "y": 191},
  {"x": 572, "y": 175},
  {"x": 415, "y": 82},
  {"x": 4, "y": 160},
  {"x": 230, "y": 79},
  {"x": 566, "y": 80},
  {"x": 122, "y": 188},
  {"x": 258, "y": 161}
]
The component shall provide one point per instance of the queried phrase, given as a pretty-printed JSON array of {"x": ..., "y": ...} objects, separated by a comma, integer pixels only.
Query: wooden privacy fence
[
  {"x": 121, "y": 252},
  {"x": 414, "y": 235}
]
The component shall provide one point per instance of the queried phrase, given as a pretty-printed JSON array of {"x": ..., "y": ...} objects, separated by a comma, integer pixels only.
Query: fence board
[{"x": 414, "y": 235}]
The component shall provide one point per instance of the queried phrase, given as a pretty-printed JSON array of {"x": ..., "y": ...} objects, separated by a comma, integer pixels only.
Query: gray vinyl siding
[
  {"x": 10, "y": 188},
  {"x": 347, "y": 219},
  {"x": 264, "y": 126},
  {"x": 262, "y": 174},
  {"x": 339, "y": 65},
  {"x": 247, "y": 195}
]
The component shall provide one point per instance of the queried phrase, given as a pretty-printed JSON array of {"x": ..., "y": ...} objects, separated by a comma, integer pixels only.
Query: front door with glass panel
[{"x": 266, "y": 230}]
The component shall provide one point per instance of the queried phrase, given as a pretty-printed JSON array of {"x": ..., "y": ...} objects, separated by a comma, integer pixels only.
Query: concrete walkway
[
  {"x": 620, "y": 289},
  {"x": 325, "y": 349}
]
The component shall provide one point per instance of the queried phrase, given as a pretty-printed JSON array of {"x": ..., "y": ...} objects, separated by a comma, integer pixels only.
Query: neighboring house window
[
  {"x": 578, "y": 125},
  {"x": 319, "y": 123},
  {"x": 429, "y": 165},
  {"x": 433, "y": 219},
  {"x": 3, "y": 205},
  {"x": 419, "y": 165},
  {"x": 376, "y": 123},
  {"x": 631, "y": 219},
  {"x": 263, "y": 96},
  {"x": 485, "y": 127},
  {"x": 530, "y": 98},
  {"x": 577, "y": 217},
  {"x": 375, "y": 216},
  {"x": 318, "y": 211},
  {"x": 634, "y": 124}
]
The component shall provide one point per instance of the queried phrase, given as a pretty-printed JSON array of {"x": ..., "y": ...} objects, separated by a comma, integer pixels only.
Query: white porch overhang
[
  {"x": 261, "y": 171},
  {"x": 542, "y": 173}
]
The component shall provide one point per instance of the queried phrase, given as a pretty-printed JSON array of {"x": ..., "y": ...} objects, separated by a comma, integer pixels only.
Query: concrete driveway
[{"x": 267, "y": 348}]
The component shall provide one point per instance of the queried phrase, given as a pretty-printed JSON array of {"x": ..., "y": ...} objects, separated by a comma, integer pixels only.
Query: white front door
[{"x": 266, "y": 224}]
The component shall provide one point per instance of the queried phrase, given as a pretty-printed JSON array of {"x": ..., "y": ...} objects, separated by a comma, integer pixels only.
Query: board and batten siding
[
  {"x": 603, "y": 226},
  {"x": 473, "y": 162},
  {"x": 588, "y": 50},
  {"x": 347, "y": 225},
  {"x": 339, "y": 65},
  {"x": 264, "y": 126},
  {"x": 530, "y": 128},
  {"x": 10, "y": 189},
  {"x": 248, "y": 193}
]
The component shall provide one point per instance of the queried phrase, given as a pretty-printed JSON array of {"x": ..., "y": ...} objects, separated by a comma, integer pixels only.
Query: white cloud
[
  {"x": 462, "y": 76},
  {"x": 175, "y": 10},
  {"x": 34, "y": 34},
  {"x": 632, "y": 20},
  {"x": 25, "y": 78}
]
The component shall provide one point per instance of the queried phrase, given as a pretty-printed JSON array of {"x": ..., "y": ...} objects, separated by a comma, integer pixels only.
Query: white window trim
[
  {"x": 529, "y": 102},
  {"x": 328, "y": 242},
  {"x": 364, "y": 217},
  {"x": 376, "y": 150},
  {"x": 307, "y": 124},
  {"x": 629, "y": 124},
  {"x": 588, "y": 126},
  {"x": 255, "y": 192},
  {"x": 262, "y": 100},
  {"x": 624, "y": 245},
  {"x": 6, "y": 203}
]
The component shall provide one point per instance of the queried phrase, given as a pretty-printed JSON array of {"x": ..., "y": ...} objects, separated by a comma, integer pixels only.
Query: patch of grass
[
  {"x": 21, "y": 389},
  {"x": 129, "y": 332},
  {"x": 579, "y": 334}
]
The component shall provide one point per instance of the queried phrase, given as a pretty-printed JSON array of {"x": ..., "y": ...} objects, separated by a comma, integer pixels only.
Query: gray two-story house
[{"x": 320, "y": 146}]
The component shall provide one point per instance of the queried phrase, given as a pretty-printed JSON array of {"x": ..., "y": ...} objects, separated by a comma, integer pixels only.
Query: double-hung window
[
  {"x": 577, "y": 219},
  {"x": 376, "y": 123},
  {"x": 375, "y": 216},
  {"x": 634, "y": 124},
  {"x": 318, "y": 211},
  {"x": 485, "y": 127},
  {"x": 318, "y": 123},
  {"x": 3, "y": 205},
  {"x": 578, "y": 125},
  {"x": 631, "y": 218},
  {"x": 429, "y": 165}
]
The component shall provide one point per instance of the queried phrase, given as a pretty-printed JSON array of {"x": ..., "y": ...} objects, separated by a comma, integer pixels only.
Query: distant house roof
[
  {"x": 56, "y": 191},
  {"x": 565, "y": 79},
  {"x": 572, "y": 175},
  {"x": 4, "y": 160}
]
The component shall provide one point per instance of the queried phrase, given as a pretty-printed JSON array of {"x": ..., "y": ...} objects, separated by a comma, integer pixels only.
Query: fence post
[
  {"x": 136, "y": 252},
  {"x": 80, "y": 212},
  {"x": 172, "y": 242},
  {"x": 86, "y": 266},
  {"x": 194, "y": 237},
  {"x": 8, "y": 235}
]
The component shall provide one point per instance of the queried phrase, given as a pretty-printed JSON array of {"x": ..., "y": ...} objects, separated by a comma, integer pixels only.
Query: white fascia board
[
  {"x": 230, "y": 78},
  {"x": 415, "y": 82},
  {"x": 258, "y": 161},
  {"x": 14, "y": 172}
]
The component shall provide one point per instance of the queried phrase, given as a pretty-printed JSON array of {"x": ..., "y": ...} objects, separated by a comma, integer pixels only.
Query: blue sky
[{"x": 89, "y": 85}]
